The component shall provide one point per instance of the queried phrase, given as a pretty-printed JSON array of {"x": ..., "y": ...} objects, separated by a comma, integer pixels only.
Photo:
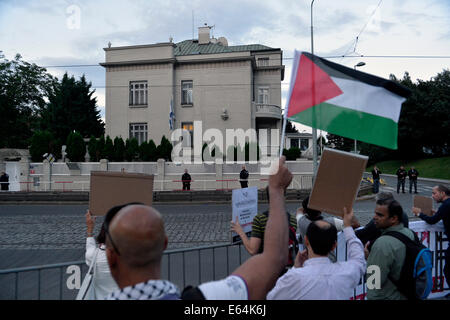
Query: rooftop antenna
[{"x": 192, "y": 24}]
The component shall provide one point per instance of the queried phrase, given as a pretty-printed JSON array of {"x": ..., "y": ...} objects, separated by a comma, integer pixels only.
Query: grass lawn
[{"x": 438, "y": 168}]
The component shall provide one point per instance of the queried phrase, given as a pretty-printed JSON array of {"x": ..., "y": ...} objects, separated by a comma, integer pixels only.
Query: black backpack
[{"x": 416, "y": 278}]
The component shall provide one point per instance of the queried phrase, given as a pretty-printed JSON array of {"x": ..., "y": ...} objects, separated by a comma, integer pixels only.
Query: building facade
[{"x": 205, "y": 79}]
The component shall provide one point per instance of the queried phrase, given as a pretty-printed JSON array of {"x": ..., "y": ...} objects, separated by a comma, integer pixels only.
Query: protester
[
  {"x": 135, "y": 241},
  {"x": 314, "y": 276},
  {"x": 243, "y": 176},
  {"x": 387, "y": 253},
  {"x": 4, "y": 181},
  {"x": 440, "y": 194},
  {"x": 102, "y": 280},
  {"x": 370, "y": 232},
  {"x": 376, "y": 179},
  {"x": 186, "y": 179},
  {"x": 412, "y": 175},
  {"x": 255, "y": 244},
  {"x": 401, "y": 177}
]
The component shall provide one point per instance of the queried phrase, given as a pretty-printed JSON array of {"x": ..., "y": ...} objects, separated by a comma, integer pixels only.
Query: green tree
[
  {"x": 72, "y": 107},
  {"x": 76, "y": 148},
  {"x": 152, "y": 150},
  {"x": 92, "y": 149},
  {"x": 131, "y": 149},
  {"x": 41, "y": 142},
  {"x": 341, "y": 143},
  {"x": 164, "y": 150},
  {"x": 100, "y": 149},
  {"x": 119, "y": 149},
  {"x": 23, "y": 89},
  {"x": 108, "y": 150}
]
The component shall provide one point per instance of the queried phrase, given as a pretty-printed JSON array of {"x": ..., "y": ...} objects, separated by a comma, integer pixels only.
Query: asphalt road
[{"x": 42, "y": 234}]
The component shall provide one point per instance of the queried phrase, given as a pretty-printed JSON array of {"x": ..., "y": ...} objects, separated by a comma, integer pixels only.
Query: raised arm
[{"x": 261, "y": 271}]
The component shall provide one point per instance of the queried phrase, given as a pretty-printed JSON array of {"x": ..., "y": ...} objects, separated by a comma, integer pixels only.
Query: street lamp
[{"x": 359, "y": 64}]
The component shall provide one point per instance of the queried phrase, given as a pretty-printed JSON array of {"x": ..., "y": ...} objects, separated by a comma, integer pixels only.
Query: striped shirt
[{"x": 259, "y": 226}]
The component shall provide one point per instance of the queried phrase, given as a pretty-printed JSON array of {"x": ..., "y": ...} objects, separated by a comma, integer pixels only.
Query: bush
[
  {"x": 76, "y": 148},
  {"x": 92, "y": 149},
  {"x": 108, "y": 150},
  {"x": 131, "y": 149},
  {"x": 41, "y": 143},
  {"x": 164, "y": 150},
  {"x": 119, "y": 149},
  {"x": 292, "y": 154},
  {"x": 100, "y": 148}
]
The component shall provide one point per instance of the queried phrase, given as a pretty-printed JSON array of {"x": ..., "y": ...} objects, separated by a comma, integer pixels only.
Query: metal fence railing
[
  {"x": 188, "y": 267},
  {"x": 61, "y": 281}
]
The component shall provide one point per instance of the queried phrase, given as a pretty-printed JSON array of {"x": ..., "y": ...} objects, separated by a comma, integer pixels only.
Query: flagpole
[{"x": 314, "y": 130}]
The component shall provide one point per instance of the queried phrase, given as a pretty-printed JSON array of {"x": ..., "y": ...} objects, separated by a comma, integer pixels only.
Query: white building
[{"x": 225, "y": 87}]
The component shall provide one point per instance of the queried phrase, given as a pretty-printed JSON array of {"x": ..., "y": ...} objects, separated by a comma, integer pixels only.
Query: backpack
[
  {"x": 416, "y": 279},
  {"x": 293, "y": 242}
]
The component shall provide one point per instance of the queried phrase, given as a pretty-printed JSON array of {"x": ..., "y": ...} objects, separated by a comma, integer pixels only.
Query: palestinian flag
[{"x": 343, "y": 101}]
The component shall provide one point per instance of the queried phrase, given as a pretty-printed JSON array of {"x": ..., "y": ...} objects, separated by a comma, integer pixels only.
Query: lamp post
[
  {"x": 359, "y": 64},
  {"x": 314, "y": 130}
]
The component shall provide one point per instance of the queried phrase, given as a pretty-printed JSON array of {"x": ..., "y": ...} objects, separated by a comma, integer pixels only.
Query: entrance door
[{"x": 13, "y": 171}]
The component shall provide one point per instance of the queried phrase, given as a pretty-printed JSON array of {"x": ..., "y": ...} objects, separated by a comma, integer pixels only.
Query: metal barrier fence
[
  {"x": 183, "y": 267},
  {"x": 61, "y": 281}
]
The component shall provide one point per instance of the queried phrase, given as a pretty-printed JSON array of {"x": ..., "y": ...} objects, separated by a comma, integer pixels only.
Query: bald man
[
  {"x": 135, "y": 244},
  {"x": 314, "y": 276},
  {"x": 135, "y": 241}
]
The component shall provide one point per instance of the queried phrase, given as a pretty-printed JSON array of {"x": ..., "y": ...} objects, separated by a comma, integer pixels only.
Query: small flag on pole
[
  {"x": 171, "y": 115},
  {"x": 343, "y": 101}
]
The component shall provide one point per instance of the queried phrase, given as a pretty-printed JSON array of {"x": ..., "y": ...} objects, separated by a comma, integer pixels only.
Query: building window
[
  {"x": 138, "y": 93},
  {"x": 304, "y": 144},
  {"x": 188, "y": 134},
  {"x": 138, "y": 131},
  {"x": 263, "y": 95},
  {"x": 186, "y": 92},
  {"x": 263, "y": 62},
  {"x": 294, "y": 143}
]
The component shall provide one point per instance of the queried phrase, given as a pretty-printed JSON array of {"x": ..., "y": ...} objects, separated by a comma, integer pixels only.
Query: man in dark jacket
[
  {"x": 413, "y": 174},
  {"x": 244, "y": 177},
  {"x": 440, "y": 194},
  {"x": 186, "y": 178},
  {"x": 4, "y": 179},
  {"x": 401, "y": 177},
  {"x": 376, "y": 179}
]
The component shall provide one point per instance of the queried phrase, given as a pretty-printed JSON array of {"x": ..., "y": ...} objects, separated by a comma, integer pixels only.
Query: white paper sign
[{"x": 245, "y": 207}]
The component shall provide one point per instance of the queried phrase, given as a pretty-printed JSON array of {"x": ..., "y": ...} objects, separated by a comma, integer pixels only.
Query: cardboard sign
[
  {"x": 245, "y": 207},
  {"x": 337, "y": 181},
  {"x": 109, "y": 189},
  {"x": 424, "y": 203}
]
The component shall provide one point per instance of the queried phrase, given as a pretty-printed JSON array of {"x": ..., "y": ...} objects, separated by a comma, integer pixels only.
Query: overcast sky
[{"x": 60, "y": 32}]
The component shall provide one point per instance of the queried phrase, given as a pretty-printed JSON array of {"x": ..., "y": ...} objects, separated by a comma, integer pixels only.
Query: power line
[
  {"x": 362, "y": 30},
  {"x": 290, "y": 58}
]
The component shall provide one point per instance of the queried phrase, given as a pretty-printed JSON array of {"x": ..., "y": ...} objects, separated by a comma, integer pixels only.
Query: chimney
[{"x": 203, "y": 34}]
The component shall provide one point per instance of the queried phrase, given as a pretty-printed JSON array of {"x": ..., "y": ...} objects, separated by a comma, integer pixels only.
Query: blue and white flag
[{"x": 171, "y": 115}]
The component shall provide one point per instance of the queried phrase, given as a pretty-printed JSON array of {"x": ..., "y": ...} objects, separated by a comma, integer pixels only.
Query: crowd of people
[{"x": 132, "y": 240}]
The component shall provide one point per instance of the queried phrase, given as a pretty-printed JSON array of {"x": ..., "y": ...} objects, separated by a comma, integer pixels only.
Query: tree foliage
[
  {"x": 76, "y": 148},
  {"x": 23, "y": 89},
  {"x": 42, "y": 142},
  {"x": 72, "y": 107}
]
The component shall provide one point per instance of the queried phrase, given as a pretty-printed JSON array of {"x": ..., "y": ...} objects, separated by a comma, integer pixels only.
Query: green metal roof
[{"x": 190, "y": 47}]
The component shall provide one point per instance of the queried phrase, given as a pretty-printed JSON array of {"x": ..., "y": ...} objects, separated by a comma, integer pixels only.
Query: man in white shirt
[{"x": 314, "y": 276}]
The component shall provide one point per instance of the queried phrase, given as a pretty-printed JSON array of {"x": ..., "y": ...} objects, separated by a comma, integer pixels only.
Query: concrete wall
[{"x": 57, "y": 177}]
